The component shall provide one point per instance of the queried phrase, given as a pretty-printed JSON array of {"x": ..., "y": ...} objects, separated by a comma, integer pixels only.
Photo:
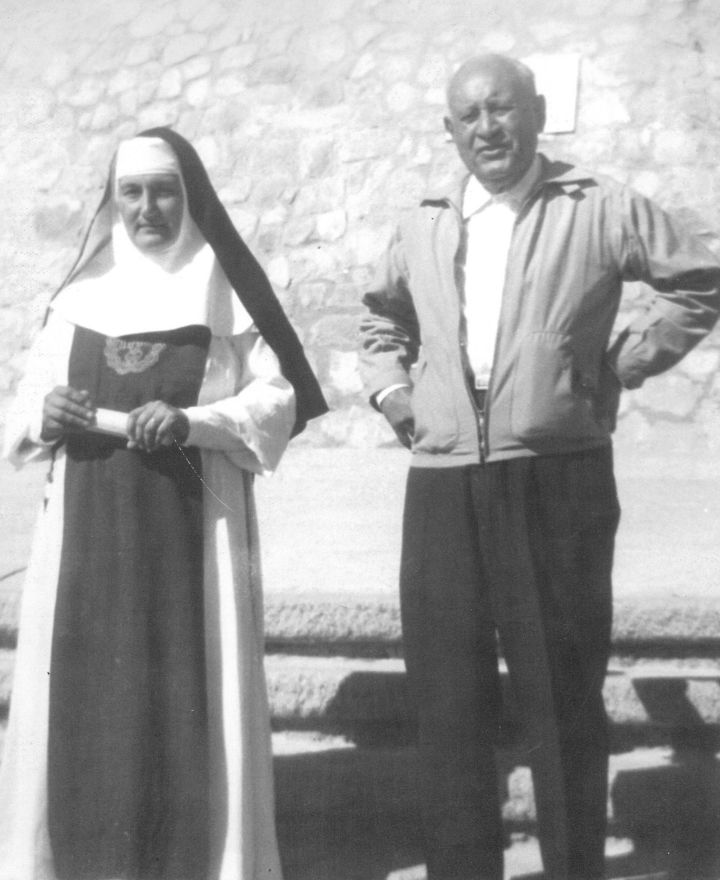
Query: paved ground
[
  {"x": 345, "y": 506},
  {"x": 330, "y": 521}
]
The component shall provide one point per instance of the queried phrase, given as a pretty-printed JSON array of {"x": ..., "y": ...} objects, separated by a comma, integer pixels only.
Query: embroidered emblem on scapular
[{"x": 131, "y": 357}]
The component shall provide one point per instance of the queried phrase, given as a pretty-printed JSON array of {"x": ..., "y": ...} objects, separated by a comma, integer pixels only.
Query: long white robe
[{"x": 242, "y": 423}]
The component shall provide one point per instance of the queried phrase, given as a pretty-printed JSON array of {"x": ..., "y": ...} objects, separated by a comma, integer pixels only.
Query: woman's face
[{"x": 151, "y": 207}]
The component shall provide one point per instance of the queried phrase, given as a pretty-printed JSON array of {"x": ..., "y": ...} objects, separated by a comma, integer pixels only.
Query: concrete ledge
[
  {"x": 337, "y": 623},
  {"x": 687, "y": 626}
]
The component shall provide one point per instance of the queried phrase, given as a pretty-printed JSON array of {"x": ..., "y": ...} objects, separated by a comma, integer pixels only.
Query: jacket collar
[{"x": 568, "y": 178}]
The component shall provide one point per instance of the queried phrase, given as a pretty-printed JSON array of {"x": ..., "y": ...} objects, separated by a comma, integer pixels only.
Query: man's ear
[
  {"x": 540, "y": 113},
  {"x": 448, "y": 128}
]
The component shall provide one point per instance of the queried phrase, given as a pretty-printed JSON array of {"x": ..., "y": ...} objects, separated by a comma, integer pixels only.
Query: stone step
[
  {"x": 346, "y": 812},
  {"x": 647, "y": 702},
  {"x": 662, "y": 808},
  {"x": 379, "y": 848},
  {"x": 365, "y": 699},
  {"x": 324, "y": 774}
]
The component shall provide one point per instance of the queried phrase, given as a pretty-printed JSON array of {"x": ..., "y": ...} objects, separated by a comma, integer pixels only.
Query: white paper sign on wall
[{"x": 557, "y": 77}]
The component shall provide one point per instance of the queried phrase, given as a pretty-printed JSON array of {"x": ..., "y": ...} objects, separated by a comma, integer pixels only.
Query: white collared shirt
[{"x": 490, "y": 220}]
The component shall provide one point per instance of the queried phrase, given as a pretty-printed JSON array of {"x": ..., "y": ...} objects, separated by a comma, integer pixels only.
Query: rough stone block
[
  {"x": 335, "y": 329},
  {"x": 673, "y": 395},
  {"x": 367, "y": 143},
  {"x": 238, "y": 56},
  {"x": 165, "y": 113},
  {"x": 152, "y": 21},
  {"x": 396, "y": 68},
  {"x": 277, "y": 41},
  {"x": 183, "y": 47},
  {"x": 58, "y": 70},
  {"x": 701, "y": 363},
  {"x": 244, "y": 221},
  {"x": 230, "y": 34},
  {"x": 195, "y": 67},
  {"x": 298, "y": 230},
  {"x": 273, "y": 71},
  {"x": 606, "y": 110},
  {"x": 123, "y": 80},
  {"x": 196, "y": 93},
  {"x": 365, "y": 246},
  {"x": 337, "y": 10},
  {"x": 343, "y": 373},
  {"x": 58, "y": 219},
  {"x": 274, "y": 216},
  {"x": 365, "y": 64},
  {"x": 278, "y": 270},
  {"x": 498, "y": 41},
  {"x": 87, "y": 94},
  {"x": 433, "y": 71},
  {"x": 591, "y": 8},
  {"x": 327, "y": 94},
  {"x": 128, "y": 104},
  {"x": 312, "y": 295},
  {"x": 550, "y": 30},
  {"x": 400, "y": 41},
  {"x": 329, "y": 45},
  {"x": 435, "y": 96},
  {"x": 401, "y": 97},
  {"x": 354, "y": 427},
  {"x": 316, "y": 156},
  {"x": 140, "y": 52},
  {"x": 170, "y": 85},
  {"x": 365, "y": 33},
  {"x": 673, "y": 147},
  {"x": 331, "y": 225},
  {"x": 630, "y": 8},
  {"x": 188, "y": 9},
  {"x": 318, "y": 196},
  {"x": 210, "y": 16}
]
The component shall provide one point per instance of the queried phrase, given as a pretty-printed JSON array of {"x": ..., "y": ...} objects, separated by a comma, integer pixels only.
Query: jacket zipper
[{"x": 461, "y": 347}]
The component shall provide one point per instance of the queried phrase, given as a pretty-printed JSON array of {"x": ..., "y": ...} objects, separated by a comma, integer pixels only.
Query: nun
[{"x": 165, "y": 378}]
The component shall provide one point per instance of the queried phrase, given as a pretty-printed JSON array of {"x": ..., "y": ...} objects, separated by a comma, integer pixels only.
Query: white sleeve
[
  {"x": 47, "y": 367},
  {"x": 252, "y": 421}
]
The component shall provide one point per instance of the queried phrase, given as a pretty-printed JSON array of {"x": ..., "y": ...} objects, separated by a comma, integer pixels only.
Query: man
[{"x": 502, "y": 294}]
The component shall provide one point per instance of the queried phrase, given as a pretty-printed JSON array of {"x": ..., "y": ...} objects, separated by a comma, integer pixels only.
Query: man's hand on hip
[{"x": 397, "y": 409}]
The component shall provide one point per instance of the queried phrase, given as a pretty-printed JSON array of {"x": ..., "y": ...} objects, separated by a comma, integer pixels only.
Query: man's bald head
[
  {"x": 494, "y": 118},
  {"x": 491, "y": 61}
]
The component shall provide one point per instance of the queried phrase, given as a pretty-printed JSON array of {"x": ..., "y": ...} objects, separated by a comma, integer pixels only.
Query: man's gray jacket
[{"x": 555, "y": 381}]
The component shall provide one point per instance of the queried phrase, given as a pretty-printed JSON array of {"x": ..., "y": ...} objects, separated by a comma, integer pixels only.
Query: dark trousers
[{"x": 520, "y": 551}]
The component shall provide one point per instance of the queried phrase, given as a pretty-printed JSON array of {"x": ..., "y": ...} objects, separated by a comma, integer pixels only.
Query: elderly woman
[{"x": 166, "y": 377}]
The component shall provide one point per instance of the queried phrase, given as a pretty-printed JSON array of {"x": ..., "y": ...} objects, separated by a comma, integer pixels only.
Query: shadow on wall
[
  {"x": 351, "y": 813},
  {"x": 675, "y": 809}
]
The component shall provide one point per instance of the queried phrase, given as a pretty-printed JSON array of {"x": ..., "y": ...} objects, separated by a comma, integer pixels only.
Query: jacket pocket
[
  {"x": 554, "y": 394},
  {"x": 436, "y": 418}
]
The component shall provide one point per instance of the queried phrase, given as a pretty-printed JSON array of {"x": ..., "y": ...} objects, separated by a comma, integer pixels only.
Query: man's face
[
  {"x": 494, "y": 120},
  {"x": 151, "y": 206}
]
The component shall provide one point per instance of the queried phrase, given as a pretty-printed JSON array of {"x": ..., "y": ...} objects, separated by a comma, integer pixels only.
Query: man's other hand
[{"x": 397, "y": 409}]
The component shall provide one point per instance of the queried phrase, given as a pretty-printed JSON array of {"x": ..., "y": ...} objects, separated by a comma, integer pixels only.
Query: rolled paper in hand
[{"x": 110, "y": 421}]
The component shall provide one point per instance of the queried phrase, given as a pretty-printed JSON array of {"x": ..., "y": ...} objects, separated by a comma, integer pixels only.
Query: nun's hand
[
  {"x": 65, "y": 410},
  {"x": 156, "y": 424}
]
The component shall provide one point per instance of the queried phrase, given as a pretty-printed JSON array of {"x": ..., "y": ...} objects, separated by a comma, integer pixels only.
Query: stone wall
[{"x": 319, "y": 122}]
